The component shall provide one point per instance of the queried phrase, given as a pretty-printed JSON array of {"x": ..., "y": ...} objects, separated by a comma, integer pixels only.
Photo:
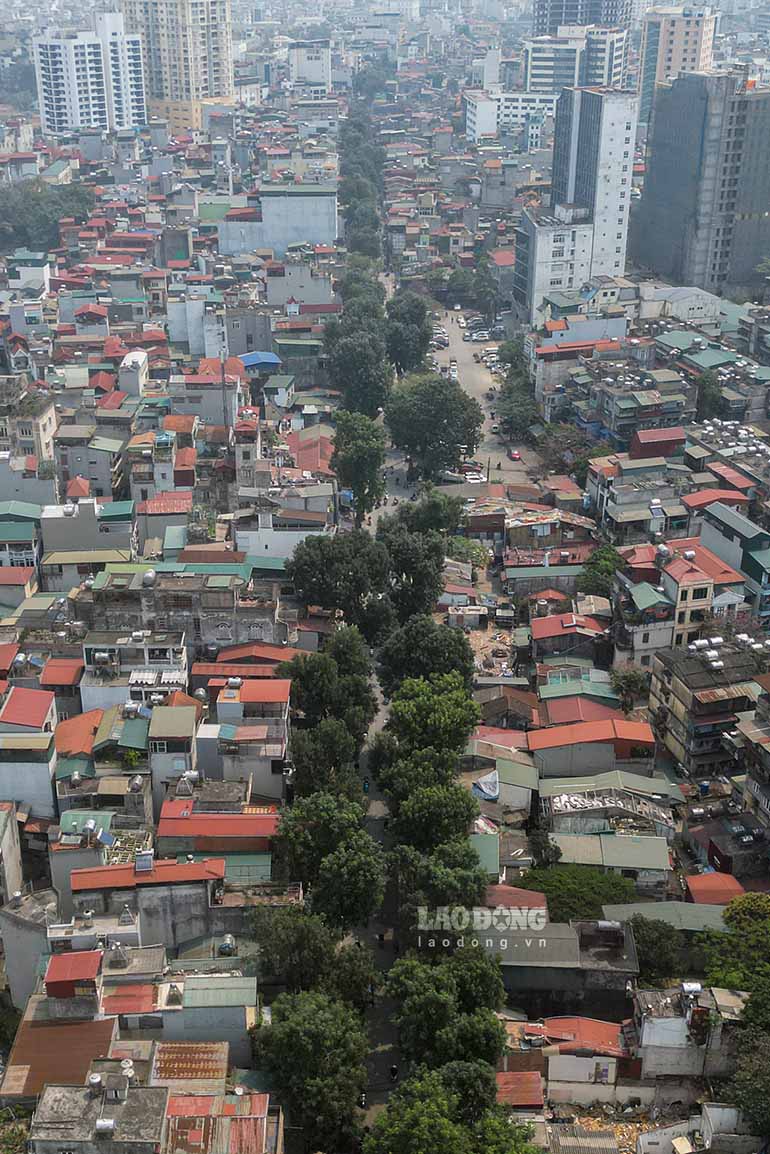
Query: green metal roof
[
  {"x": 680, "y": 339},
  {"x": 20, "y": 511},
  {"x": 613, "y": 779},
  {"x": 575, "y": 688},
  {"x": 116, "y": 511},
  {"x": 516, "y": 773},
  {"x": 208, "y": 992},
  {"x": 134, "y": 735},
  {"x": 711, "y": 358},
  {"x": 487, "y": 846},
  {"x": 105, "y": 444},
  {"x": 11, "y": 531},
  {"x": 66, "y": 766},
  {"x": 239, "y": 867},
  {"x": 688, "y": 916},
  {"x": 74, "y": 820},
  {"x": 645, "y": 596},
  {"x": 525, "y": 571}
]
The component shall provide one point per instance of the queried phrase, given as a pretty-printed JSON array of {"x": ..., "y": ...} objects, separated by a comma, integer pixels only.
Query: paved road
[{"x": 476, "y": 380}]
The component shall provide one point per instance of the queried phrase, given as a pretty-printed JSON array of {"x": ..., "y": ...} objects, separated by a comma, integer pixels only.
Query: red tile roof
[
  {"x": 657, "y": 436},
  {"x": 265, "y": 691},
  {"x": 569, "y": 710},
  {"x": 576, "y": 1034},
  {"x": 218, "y": 674},
  {"x": 263, "y": 653},
  {"x": 178, "y": 818},
  {"x": 12, "y": 575},
  {"x": 76, "y": 735},
  {"x": 563, "y": 625},
  {"x": 520, "y": 1088},
  {"x": 129, "y": 999},
  {"x": 509, "y": 738},
  {"x": 9, "y": 650},
  {"x": 166, "y": 503},
  {"x": 62, "y": 671},
  {"x": 715, "y": 889},
  {"x": 709, "y": 496},
  {"x": 78, "y": 487},
  {"x": 638, "y": 732},
  {"x": 163, "y": 872},
  {"x": 27, "y": 707},
  {"x": 512, "y": 896},
  {"x": 735, "y": 479},
  {"x": 77, "y": 965}
]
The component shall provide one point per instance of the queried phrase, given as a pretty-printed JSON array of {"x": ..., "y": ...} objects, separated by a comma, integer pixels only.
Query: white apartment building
[
  {"x": 188, "y": 55},
  {"x": 487, "y": 114},
  {"x": 576, "y": 56},
  {"x": 553, "y": 253},
  {"x": 310, "y": 64},
  {"x": 674, "y": 40},
  {"x": 90, "y": 79},
  {"x": 585, "y": 233},
  {"x": 593, "y": 160}
]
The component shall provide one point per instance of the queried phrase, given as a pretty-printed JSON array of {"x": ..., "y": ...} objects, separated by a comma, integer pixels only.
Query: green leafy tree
[
  {"x": 751, "y": 1083},
  {"x": 323, "y": 759},
  {"x": 659, "y": 949},
  {"x": 511, "y": 354},
  {"x": 401, "y": 776},
  {"x": 576, "y": 892},
  {"x": 421, "y": 648},
  {"x": 450, "y": 875},
  {"x": 436, "y": 712},
  {"x": 354, "y": 977},
  {"x": 433, "y": 420},
  {"x": 516, "y": 412},
  {"x": 351, "y": 881},
  {"x": 441, "y": 1015},
  {"x": 599, "y": 571},
  {"x": 710, "y": 402},
  {"x": 416, "y": 568},
  {"x": 435, "y": 814},
  {"x": 366, "y": 241},
  {"x": 296, "y": 948},
  {"x": 567, "y": 449},
  {"x": 358, "y": 460},
  {"x": 419, "y": 1119},
  {"x": 318, "y": 692},
  {"x": 740, "y": 958},
  {"x": 473, "y": 1087},
  {"x": 315, "y": 1050},
  {"x": 358, "y": 367},
  {"x": 348, "y": 572},
  {"x": 631, "y": 683},
  {"x": 31, "y": 210},
  {"x": 435, "y": 512},
  {"x": 545, "y": 851},
  {"x": 467, "y": 550},
  {"x": 409, "y": 331},
  {"x": 312, "y": 829},
  {"x": 460, "y": 286},
  {"x": 349, "y": 651}
]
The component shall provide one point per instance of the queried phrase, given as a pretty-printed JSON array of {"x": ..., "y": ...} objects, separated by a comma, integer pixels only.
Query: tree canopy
[
  {"x": 315, "y": 1049},
  {"x": 313, "y": 828},
  {"x": 436, "y": 712},
  {"x": 740, "y": 959},
  {"x": 31, "y": 210},
  {"x": 576, "y": 892},
  {"x": 351, "y": 881},
  {"x": 422, "y": 648},
  {"x": 433, "y": 420},
  {"x": 599, "y": 571},
  {"x": 358, "y": 460}
]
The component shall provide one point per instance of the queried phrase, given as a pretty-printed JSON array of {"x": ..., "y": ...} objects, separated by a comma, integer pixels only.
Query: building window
[
  {"x": 645, "y": 638},
  {"x": 158, "y": 747},
  {"x": 699, "y": 594},
  {"x": 682, "y": 594},
  {"x": 645, "y": 660}
]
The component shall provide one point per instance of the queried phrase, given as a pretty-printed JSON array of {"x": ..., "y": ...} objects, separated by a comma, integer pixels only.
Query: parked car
[
  {"x": 467, "y": 336},
  {"x": 514, "y": 455},
  {"x": 495, "y": 428}
]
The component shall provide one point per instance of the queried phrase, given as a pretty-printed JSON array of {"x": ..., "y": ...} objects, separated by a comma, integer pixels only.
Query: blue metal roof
[{"x": 254, "y": 360}]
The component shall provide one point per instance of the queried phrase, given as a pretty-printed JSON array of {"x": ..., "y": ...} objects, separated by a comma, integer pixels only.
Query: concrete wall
[
  {"x": 30, "y": 785},
  {"x": 290, "y": 219},
  {"x": 24, "y": 942},
  {"x": 586, "y": 1093},
  {"x": 62, "y": 862},
  {"x": 576, "y": 760},
  {"x": 660, "y": 1141},
  {"x": 212, "y": 1024}
]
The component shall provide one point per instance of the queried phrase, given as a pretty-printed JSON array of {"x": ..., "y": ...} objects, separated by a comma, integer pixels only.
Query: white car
[{"x": 461, "y": 322}]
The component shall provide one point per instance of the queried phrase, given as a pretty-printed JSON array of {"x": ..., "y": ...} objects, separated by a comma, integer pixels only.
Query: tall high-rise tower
[
  {"x": 550, "y": 15},
  {"x": 674, "y": 40},
  {"x": 704, "y": 216},
  {"x": 593, "y": 160},
  {"x": 90, "y": 79},
  {"x": 188, "y": 55}
]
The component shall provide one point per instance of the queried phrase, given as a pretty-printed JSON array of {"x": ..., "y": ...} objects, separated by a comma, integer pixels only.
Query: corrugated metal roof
[{"x": 210, "y": 991}]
